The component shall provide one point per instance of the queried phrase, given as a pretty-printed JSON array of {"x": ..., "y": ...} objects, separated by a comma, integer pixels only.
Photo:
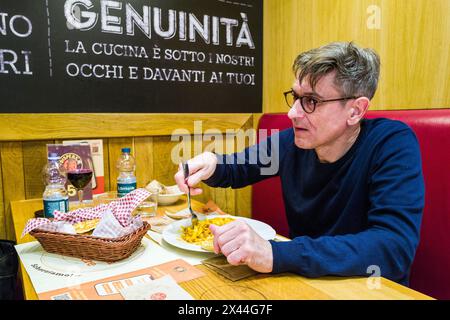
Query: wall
[{"x": 411, "y": 36}]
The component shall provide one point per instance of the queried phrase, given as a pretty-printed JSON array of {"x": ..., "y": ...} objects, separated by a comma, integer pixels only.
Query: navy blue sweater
[{"x": 358, "y": 215}]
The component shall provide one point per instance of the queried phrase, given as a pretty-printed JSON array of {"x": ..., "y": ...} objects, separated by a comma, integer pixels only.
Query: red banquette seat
[{"x": 430, "y": 272}]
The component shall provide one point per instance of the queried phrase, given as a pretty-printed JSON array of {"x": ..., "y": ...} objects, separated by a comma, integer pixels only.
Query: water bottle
[
  {"x": 126, "y": 181},
  {"x": 55, "y": 194}
]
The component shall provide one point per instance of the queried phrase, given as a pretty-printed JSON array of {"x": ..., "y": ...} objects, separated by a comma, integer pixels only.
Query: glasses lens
[
  {"x": 308, "y": 104},
  {"x": 289, "y": 98}
]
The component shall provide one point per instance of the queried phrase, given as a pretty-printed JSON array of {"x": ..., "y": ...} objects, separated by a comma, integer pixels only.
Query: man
[{"x": 353, "y": 188}]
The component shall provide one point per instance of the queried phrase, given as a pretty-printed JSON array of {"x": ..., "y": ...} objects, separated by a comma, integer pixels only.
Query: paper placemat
[{"x": 50, "y": 271}]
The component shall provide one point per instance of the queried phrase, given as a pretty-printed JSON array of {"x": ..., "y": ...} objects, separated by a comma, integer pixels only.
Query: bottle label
[
  {"x": 51, "y": 205},
  {"x": 124, "y": 188}
]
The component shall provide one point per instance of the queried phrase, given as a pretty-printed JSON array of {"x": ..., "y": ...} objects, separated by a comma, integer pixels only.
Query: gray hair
[{"x": 357, "y": 70}]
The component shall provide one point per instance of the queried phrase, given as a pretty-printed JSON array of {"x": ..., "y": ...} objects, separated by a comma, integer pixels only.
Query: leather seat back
[{"x": 430, "y": 272}]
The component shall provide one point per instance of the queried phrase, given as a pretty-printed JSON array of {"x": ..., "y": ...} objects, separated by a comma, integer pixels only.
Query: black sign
[{"x": 175, "y": 56}]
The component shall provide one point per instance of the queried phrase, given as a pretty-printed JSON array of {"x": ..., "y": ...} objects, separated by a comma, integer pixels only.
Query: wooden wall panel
[
  {"x": 22, "y": 162},
  {"x": 144, "y": 160},
  {"x": 225, "y": 197},
  {"x": 106, "y": 165},
  {"x": 244, "y": 195},
  {"x": 412, "y": 38},
  {"x": 34, "y": 159},
  {"x": 218, "y": 195},
  {"x": 233, "y": 201},
  {"x": 20, "y": 127},
  {"x": 13, "y": 181},
  {"x": 164, "y": 168},
  {"x": 2, "y": 205}
]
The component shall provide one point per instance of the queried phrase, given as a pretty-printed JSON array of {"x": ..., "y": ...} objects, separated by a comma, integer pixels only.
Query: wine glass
[{"x": 80, "y": 178}]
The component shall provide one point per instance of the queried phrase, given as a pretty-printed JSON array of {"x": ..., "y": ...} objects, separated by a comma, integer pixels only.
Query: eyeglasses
[{"x": 308, "y": 103}]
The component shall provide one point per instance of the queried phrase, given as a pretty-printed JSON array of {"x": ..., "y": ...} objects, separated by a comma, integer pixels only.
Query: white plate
[{"x": 172, "y": 233}]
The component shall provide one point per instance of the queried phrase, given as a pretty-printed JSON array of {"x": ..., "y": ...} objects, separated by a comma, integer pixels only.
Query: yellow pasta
[{"x": 199, "y": 232}]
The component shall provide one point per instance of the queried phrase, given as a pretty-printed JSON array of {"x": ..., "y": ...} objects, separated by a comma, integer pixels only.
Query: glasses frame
[{"x": 318, "y": 101}]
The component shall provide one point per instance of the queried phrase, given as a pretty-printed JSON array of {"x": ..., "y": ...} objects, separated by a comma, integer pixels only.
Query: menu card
[
  {"x": 112, "y": 288},
  {"x": 164, "y": 288},
  {"x": 76, "y": 156},
  {"x": 98, "y": 178}
]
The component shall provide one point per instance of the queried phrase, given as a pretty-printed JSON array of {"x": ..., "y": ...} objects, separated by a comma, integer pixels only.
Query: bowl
[{"x": 172, "y": 194}]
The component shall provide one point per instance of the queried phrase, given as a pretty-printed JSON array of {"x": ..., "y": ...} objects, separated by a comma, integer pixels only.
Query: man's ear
[{"x": 358, "y": 110}]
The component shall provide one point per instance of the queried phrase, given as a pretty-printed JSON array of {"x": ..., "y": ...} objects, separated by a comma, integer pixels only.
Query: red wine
[{"x": 80, "y": 177}]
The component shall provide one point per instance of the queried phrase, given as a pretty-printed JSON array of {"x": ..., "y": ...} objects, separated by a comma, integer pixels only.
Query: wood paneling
[
  {"x": 22, "y": 161},
  {"x": 13, "y": 181},
  {"x": 164, "y": 168},
  {"x": 412, "y": 38},
  {"x": 106, "y": 165},
  {"x": 143, "y": 147},
  {"x": 223, "y": 197},
  {"x": 34, "y": 159},
  {"x": 244, "y": 196},
  {"x": 2, "y": 207},
  {"x": 19, "y": 127}
]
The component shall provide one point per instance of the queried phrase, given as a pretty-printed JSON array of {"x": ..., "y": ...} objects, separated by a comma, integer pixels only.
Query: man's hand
[
  {"x": 242, "y": 245},
  {"x": 201, "y": 167}
]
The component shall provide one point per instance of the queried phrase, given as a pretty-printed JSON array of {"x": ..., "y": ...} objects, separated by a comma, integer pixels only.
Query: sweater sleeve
[
  {"x": 254, "y": 164},
  {"x": 396, "y": 200}
]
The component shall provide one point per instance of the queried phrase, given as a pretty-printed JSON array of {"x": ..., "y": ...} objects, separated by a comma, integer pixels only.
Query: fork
[{"x": 186, "y": 175}]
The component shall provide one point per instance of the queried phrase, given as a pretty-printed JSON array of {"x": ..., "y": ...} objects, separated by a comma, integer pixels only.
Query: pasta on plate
[
  {"x": 198, "y": 238},
  {"x": 199, "y": 233}
]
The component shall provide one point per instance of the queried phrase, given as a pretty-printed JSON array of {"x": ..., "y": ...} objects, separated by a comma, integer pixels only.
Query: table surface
[{"x": 259, "y": 287}]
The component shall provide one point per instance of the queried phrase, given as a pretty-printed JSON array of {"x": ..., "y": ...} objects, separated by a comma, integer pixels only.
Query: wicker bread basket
[{"x": 88, "y": 247}]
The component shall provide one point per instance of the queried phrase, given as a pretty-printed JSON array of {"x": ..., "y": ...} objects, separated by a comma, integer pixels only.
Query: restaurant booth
[{"x": 170, "y": 81}]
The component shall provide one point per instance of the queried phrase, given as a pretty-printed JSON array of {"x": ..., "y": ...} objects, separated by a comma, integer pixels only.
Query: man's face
[{"x": 328, "y": 121}]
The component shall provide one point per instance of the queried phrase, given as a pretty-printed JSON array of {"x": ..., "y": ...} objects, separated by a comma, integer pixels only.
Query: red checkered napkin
[{"x": 120, "y": 209}]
